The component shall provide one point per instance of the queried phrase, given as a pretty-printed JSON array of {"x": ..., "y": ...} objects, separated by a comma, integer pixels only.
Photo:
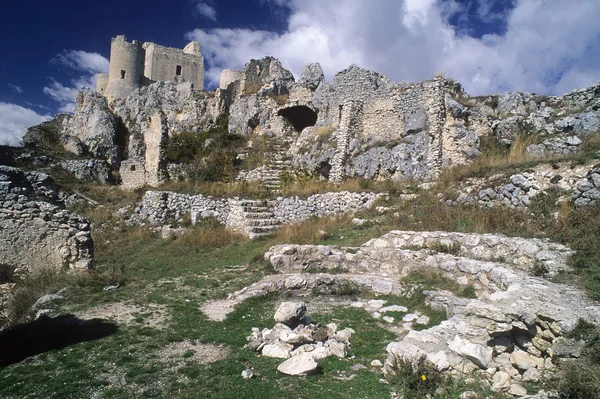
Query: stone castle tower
[{"x": 136, "y": 64}]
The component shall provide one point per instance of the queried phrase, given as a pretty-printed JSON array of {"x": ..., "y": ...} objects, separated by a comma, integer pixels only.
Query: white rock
[
  {"x": 336, "y": 348},
  {"x": 423, "y": 320},
  {"x": 522, "y": 360},
  {"x": 517, "y": 390},
  {"x": 279, "y": 350},
  {"x": 410, "y": 317},
  {"x": 290, "y": 312},
  {"x": 501, "y": 381},
  {"x": 393, "y": 308},
  {"x": 376, "y": 303},
  {"x": 388, "y": 319},
  {"x": 478, "y": 354},
  {"x": 247, "y": 374},
  {"x": 376, "y": 363},
  {"x": 303, "y": 364}
]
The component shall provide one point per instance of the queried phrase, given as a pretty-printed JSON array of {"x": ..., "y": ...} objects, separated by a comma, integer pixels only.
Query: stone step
[
  {"x": 255, "y": 209},
  {"x": 260, "y": 229},
  {"x": 262, "y": 222},
  {"x": 259, "y": 215},
  {"x": 253, "y": 203}
]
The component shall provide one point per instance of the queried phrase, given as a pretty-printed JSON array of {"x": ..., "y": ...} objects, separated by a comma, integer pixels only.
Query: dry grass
[
  {"x": 427, "y": 213},
  {"x": 208, "y": 237},
  {"x": 591, "y": 143},
  {"x": 29, "y": 288},
  {"x": 311, "y": 186},
  {"x": 494, "y": 158},
  {"x": 311, "y": 231},
  {"x": 324, "y": 132},
  {"x": 217, "y": 189}
]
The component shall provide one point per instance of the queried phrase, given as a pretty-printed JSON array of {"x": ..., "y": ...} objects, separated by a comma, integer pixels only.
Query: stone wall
[
  {"x": 37, "y": 231},
  {"x": 165, "y": 207},
  {"x": 295, "y": 209}
]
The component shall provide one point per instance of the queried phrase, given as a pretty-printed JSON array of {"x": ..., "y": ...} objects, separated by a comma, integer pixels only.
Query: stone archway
[{"x": 299, "y": 116}]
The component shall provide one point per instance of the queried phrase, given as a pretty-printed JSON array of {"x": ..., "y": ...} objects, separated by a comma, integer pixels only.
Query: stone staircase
[
  {"x": 258, "y": 219},
  {"x": 277, "y": 162}
]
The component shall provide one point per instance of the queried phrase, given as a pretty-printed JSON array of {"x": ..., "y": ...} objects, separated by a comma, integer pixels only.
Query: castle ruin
[{"x": 136, "y": 64}]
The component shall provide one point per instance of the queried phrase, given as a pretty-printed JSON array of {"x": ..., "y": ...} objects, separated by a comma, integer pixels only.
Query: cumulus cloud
[
  {"x": 206, "y": 9},
  {"x": 14, "y": 121},
  {"x": 15, "y": 88},
  {"x": 86, "y": 67},
  {"x": 548, "y": 46}
]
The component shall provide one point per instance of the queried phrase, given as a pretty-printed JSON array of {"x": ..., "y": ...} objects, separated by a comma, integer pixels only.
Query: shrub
[
  {"x": 414, "y": 380},
  {"x": 579, "y": 383}
]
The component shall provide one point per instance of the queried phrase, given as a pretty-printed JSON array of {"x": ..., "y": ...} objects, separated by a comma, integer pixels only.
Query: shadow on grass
[{"x": 24, "y": 340}]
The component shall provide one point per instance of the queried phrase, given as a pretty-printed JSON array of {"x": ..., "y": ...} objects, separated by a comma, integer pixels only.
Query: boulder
[
  {"x": 299, "y": 365},
  {"x": 290, "y": 313}
]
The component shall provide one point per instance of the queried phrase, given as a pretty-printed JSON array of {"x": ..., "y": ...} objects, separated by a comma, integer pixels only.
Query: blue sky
[{"x": 52, "y": 48}]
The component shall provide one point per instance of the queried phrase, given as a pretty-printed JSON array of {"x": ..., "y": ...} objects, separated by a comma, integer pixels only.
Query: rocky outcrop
[
  {"x": 37, "y": 231},
  {"x": 92, "y": 129},
  {"x": 578, "y": 183},
  {"x": 587, "y": 190}
]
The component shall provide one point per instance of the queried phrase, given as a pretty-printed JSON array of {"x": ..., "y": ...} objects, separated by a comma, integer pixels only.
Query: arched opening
[{"x": 300, "y": 116}]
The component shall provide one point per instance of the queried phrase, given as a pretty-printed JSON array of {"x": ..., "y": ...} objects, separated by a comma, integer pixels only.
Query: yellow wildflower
[{"x": 424, "y": 378}]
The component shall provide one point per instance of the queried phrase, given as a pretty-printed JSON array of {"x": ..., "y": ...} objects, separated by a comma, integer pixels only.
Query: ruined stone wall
[
  {"x": 229, "y": 76},
  {"x": 295, "y": 209},
  {"x": 37, "y": 231},
  {"x": 102, "y": 83},
  {"x": 133, "y": 174},
  {"x": 164, "y": 207},
  {"x": 166, "y": 64}
]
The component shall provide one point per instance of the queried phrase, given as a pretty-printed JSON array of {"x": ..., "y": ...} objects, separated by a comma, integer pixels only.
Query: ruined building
[{"x": 136, "y": 64}]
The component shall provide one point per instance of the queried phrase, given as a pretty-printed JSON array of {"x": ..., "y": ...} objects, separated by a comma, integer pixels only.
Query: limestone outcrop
[
  {"x": 92, "y": 129},
  {"x": 37, "y": 231}
]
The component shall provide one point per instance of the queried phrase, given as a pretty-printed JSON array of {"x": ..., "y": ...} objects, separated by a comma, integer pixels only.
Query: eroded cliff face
[{"x": 359, "y": 125}]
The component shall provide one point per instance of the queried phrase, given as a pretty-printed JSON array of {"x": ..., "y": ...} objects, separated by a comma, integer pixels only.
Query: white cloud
[
  {"x": 206, "y": 9},
  {"x": 550, "y": 46},
  {"x": 14, "y": 121},
  {"x": 15, "y": 88},
  {"x": 87, "y": 65}
]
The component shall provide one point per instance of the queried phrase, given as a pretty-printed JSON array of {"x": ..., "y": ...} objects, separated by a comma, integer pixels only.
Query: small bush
[
  {"x": 579, "y": 383},
  {"x": 453, "y": 248},
  {"x": 414, "y": 381},
  {"x": 467, "y": 292}
]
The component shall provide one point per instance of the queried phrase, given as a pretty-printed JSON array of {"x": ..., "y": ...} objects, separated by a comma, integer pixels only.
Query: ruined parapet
[
  {"x": 38, "y": 233},
  {"x": 126, "y": 67},
  {"x": 133, "y": 174},
  {"x": 166, "y": 64},
  {"x": 229, "y": 76},
  {"x": 102, "y": 83}
]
